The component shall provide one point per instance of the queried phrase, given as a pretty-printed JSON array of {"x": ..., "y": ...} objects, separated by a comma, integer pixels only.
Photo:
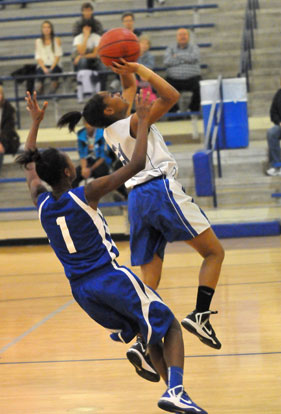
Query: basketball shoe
[
  {"x": 176, "y": 400},
  {"x": 198, "y": 324},
  {"x": 139, "y": 358}
]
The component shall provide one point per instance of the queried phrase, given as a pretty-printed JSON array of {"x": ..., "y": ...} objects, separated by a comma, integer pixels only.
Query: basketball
[{"x": 118, "y": 43}]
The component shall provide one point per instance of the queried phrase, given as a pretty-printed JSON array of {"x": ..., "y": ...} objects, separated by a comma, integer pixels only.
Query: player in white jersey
[
  {"x": 159, "y": 210},
  {"x": 111, "y": 294}
]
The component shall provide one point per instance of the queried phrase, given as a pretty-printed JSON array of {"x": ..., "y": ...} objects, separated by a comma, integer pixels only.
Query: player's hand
[
  {"x": 86, "y": 172},
  {"x": 36, "y": 113},
  {"x": 143, "y": 105},
  {"x": 123, "y": 67}
]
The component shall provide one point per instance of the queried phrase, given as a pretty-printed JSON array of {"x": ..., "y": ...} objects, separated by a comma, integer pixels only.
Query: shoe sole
[
  {"x": 136, "y": 361},
  {"x": 170, "y": 407},
  {"x": 192, "y": 330}
]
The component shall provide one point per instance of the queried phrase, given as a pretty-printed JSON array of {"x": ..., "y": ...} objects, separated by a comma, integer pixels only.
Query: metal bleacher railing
[
  {"x": 248, "y": 41},
  {"x": 211, "y": 136},
  {"x": 65, "y": 95}
]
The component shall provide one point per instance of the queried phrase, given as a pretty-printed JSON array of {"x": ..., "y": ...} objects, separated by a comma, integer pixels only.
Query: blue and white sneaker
[{"x": 176, "y": 400}]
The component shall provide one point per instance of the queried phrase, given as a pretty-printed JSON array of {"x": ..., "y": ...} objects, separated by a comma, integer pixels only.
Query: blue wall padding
[
  {"x": 267, "y": 228},
  {"x": 203, "y": 173}
]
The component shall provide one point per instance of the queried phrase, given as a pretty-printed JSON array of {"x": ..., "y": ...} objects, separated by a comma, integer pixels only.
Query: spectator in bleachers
[
  {"x": 95, "y": 160},
  {"x": 48, "y": 52},
  {"x": 86, "y": 50},
  {"x": 147, "y": 59},
  {"x": 183, "y": 67},
  {"x": 91, "y": 154},
  {"x": 88, "y": 18},
  {"x": 128, "y": 20},
  {"x": 9, "y": 139},
  {"x": 274, "y": 136}
]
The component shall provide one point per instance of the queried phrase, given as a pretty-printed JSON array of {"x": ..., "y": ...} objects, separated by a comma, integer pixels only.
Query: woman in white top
[{"x": 48, "y": 52}]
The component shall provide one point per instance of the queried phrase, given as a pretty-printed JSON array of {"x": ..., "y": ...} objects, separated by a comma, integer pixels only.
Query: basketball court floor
[{"x": 54, "y": 359}]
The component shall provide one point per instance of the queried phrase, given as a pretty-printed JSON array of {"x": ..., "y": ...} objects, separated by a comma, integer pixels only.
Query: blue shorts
[
  {"x": 118, "y": 300},
  {"x": 160, "y": 212}
]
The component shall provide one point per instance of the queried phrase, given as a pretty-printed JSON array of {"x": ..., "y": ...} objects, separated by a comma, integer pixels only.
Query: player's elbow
[
  {"x": 175, "y": 96},
  {"x": 138, "y": 165},
  {"x": 172, "y": 97}
]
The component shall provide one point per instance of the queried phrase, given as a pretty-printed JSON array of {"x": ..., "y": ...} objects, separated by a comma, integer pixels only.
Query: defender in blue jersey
[
  {"x": 111, "y": 294},
  {"x": 159, "y": 210}
]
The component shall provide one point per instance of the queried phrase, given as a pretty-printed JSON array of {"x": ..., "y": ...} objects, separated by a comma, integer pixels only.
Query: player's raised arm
[
  {"x": 30, "y": 151},
  {"x": 129, "y": 89},
  {"x": 103, "y": 185},
  {"x": 167, "y": 94}
]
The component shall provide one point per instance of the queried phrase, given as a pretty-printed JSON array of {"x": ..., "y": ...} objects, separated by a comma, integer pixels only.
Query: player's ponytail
[
  {"x": 71, "y": 119},
  {"x": 49, "y": 164},
  {"x": 93, "y": 113},
  {"x": 28, "y": 156}
]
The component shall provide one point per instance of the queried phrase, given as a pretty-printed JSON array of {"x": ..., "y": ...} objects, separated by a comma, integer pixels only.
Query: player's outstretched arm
[
  {"x": 103, "y": 185},
  {"x": 167, "y": 94},
  {"x": 37, "y": 114}
]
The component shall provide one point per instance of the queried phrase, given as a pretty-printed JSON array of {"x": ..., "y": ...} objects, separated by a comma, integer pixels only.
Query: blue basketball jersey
[{"x": 78, "y": 234}]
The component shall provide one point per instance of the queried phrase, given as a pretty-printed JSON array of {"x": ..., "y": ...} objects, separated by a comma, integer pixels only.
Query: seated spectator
[
  {"x": 128, "y": 20},
  {"x": 274, "y": 136},
  {"x": 48, "y": 52},
  {"x": 183, "y": 67},
  {"x": 9, "y": 139},
  {"x": 86, "y": 49},
  {"x": 88, "y": 18},
  {"x": 148, "y": 60},
  {"x": 94, "y": 160}
]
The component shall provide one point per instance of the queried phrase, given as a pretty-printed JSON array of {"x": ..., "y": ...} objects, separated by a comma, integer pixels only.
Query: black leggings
[{"x": 191, "y": 85}]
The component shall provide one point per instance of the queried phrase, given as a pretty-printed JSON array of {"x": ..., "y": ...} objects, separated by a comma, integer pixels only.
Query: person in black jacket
[
  {"x": 274, "y": 136},
  {"x": 9, "y": 139},
  {"x": 88, "y": 18}
]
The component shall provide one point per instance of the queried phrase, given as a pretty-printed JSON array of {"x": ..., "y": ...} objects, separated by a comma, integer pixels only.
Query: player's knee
[
  {"x": 175, "y": 326},
  {"x": 220, "y": 253},
  {"x": 216, "y": 252}
]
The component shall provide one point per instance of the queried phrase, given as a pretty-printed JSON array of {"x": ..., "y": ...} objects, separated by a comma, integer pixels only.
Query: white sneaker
[
  {"x": 273, "y": 172},
  {"x": 176, "y": 400}
]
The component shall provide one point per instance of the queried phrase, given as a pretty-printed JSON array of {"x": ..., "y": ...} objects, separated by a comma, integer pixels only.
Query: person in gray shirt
[{"x": 183, "y": 67}]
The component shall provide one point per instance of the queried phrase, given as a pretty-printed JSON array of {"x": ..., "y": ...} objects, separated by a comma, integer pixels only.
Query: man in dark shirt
[
  {"x": 274, "y": 136},
  {"x": 87, "y": 10}
]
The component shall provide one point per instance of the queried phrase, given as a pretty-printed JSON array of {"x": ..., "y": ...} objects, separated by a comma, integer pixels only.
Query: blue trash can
[{"x": 234, "y": 129}]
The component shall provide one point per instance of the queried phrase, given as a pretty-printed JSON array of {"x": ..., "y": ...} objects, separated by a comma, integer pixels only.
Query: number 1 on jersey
[{"x": 66, "y": 235}]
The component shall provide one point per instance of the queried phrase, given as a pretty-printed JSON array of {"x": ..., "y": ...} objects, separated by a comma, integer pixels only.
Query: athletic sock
[
  {"x": 175, "y": 376},
  {"x": 204, "y": 298}
]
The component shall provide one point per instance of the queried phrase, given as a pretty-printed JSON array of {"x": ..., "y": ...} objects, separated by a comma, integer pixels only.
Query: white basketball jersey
[{"x": 159, "y": 161}]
